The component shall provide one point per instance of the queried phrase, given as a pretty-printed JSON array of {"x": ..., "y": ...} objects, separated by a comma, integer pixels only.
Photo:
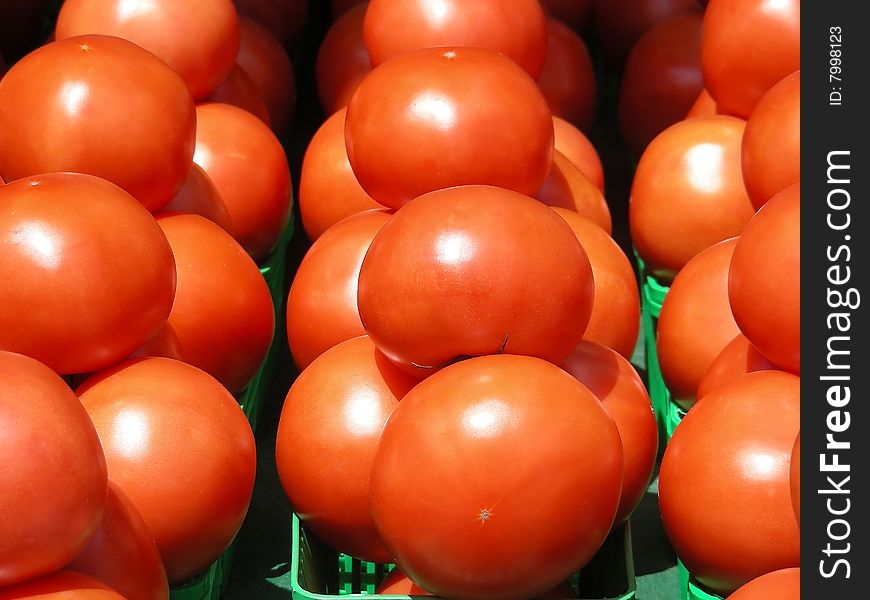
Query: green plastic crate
[{"x": 689, "y": 590}]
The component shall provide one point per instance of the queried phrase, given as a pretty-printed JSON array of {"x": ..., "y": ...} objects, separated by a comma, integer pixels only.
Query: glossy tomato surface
[
  {"x": 795, "y": 478},
  {"x": 738, "y": 358},
  {"x": 63, "y": 585},
  {"x": 705, "y": 106},
  {"x": 568, "y": 79},
  {"x": 240, "y": 90},
  {"x": 784, "y": 584},
  {"x": 577, "y": 148},
  {"x": 285, "y": 19},
  {"x": 620, "y": 23},
  {"x": 165, "y": 344},
  {"x": 454, "y": 437},
  {"x": 342, "y": 60},
  {"x": 199, "y": 196},
  {"x": 265, "y": 61},
  {"x": 568, "y": 187}
]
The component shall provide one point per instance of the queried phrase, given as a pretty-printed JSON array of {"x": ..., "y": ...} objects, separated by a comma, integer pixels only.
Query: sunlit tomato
[
  {"x": 695, "y": 323},
  {"x": 54, "y": 475},
  {"x": 616, "y": 309},
  {"x": 577, "y": 148},
  {"x": 93, "y": 275},
  {"x": 247, "y": 165},
  {"x": 266, "y": 62},
  {"x": 483, "y": 120},
  {"x": 615, "y": 382},
  {"x": 63, "y": 585},
  {"x": 239, "y": 90},
  {"x": 399, "y": 583},
  {"x": 285, "y": 19},
  {"x": 328, "y": 189},
  {"x": 165, "y": 344},
  {"x": 157, "y": 416},
  {"x": 222, "y": 313},
  {"x": 454, "y": 437},
  {"x": 86, "y": 85},
  {"x": 795, "y": 478},
  {"x": 199, "y": 196},
  {"x": 749, "y": 45},
  {"x": 620, "y": 23},
  {"x": 771, "y": 149},
  {"x": 330, "y": 426},
  {"x": 322, "y": 303},
  {"x": 568, "y": 79},
  {"x": 784, "y": 584},
  {"x": 738, "y": 358},
  {"x": 567, "y": 187},
  {"x": 705, "y": 106},
  {"x": 574, "y": 13},
  {"x": 515, "y": 28},
  {"x": 662, "y": 79},
  {"x": 724, "y": 482},
  {"x": 474, "y": 270},
  {"x": 688, "y": 181},
  {"x": 765, "y": 280},
  {"x": 121, "y": 552},
  {"x": 342, "y": 60}
]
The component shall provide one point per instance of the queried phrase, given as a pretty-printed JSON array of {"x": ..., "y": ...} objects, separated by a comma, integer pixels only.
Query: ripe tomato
[
  {"x": 705, "y": 106},
  {"x": 724, "y": 482},
  {"x": 695, "y": 323},
  {"x": 51, "y": 445},
  {"x": 568, "y": 79},
  {"x": 157, "y": 416},
  {"x": 86, "y": 84},
  {"x": 285, "y": 19},
  {"x": 620, "y": 23},
  {"x": 567, "y": 187},
  {"x": 328, "y": 189},
  {"x": 397, "y": 583},
  {"x": 222, "y": 314},
  {"x": 62, "y": 585},
  {"x": 577, "y": 148},
  {"x": 239, "y": 90},
  {"x": 94, "y": 276},
  {"x": 615, "y": 315},
  {"x": 784, "y": 584},
  {"x": 329, "y": 429},
  {"x": 266, "y": 62},
  {"x": 749, "y": 45},
  {"x": 765, "y": 280},
  {"x": 454, "y": 437},
  {"x": 199, "y": 196},
  {"x": 771, "y": 149},
  {"x": 688, "y": 180},
  {"x": 794, "y": 478},
  {"x": 322, "y": 303},
  {"x": 474, "y": 270},
  {"x": 738, "y": 358},
  {"x": 248, "y": 166},
  {"x": 483, "y": 120},
  {"x": 165, "y": 344},
  {"x": 342, "y": 60},
  {"x": 574, "y": 13}
]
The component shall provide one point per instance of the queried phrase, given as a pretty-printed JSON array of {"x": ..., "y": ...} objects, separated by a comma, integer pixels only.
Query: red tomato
[
  {"x": 577, "y": 148},
  {"x": 248, "y": 166},
  {"x": 455, "y": 437},
  {"x": 94, "y": 276},
  {"x": 515, "y": 28},
  {"x": 339, "y": 7},
  {"x": 616, "y": 309},
  {"x": 285, "y": 19},
  {"x": 62, "y": 585},
  {"x": 223, "y": 314},
  {"x": 705, "y": 106},
  {"x": 474, "y": 270},
  {"x": 738, "y": 358},
  {"x": 784, "y": 584},
  {"x": 765, "y": 280},
  {"x": 724, "y": 482},
  {"x": 322, "y": 303},
  {"x": 749, "y": 45},
  {"x": 483, "y": 120},
  {"x": 328, "y": 189},
  {"x": 620, "y": 23},
  {"x": 662, "y": 79},
  {"x": 688, "y": 181},
  {"x": 86, "y": 85},
  {"x": 199, "y": 196},
  {"x": 574, "y": 13},
  {"x": 329, "y": 430},
  {"x": 397, "y": 583},
  {"x": 771, "y": 149},
  {"x": 568, "y": 79},
  {"x": 266, "y": 62},
  {"x": 567, "y": 187},
  {"x": 239, "y": 90},
  {"x": 342, "y": 60},
  {"x": 619, "y": 388},
  {"x": 157, "y": 416},
  {"x": 795, "y": 478},
  {"x": 122, "y": 553},
  {"x": 165, "y": 344},
  {"x": 54, "y": 475},
  {"x": 695, "y": 323}
]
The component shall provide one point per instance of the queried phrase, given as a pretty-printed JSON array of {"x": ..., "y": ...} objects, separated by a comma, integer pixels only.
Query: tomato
[
  {"x": 285, "y": 19},
  {"x": 577, "y": 148},
  {"x": 568, "y": 79},
  {"x": 688, "y": 181},
  {"x": 749, "y": 45},
  {"x": 398, "y": 583},
  {"x": 266, "y": 62},
  {"x": 328, "y": 189},
  {"x": 615, "y": 315},
  {"x": 574, "y": 13},
  {"x": 515, "y": 28},
  {"x": 795, "y": 478},
  {"x": 470, "y": 271},
  {"x": 619, "y": 388},
  {"x": 695, "y": 323},
  {"x": 455, "y": 437},
  {"x": 342, "y": 60},
  {"x": 157, "y": 416},
  {"x": 784, "y": 584},
  {"x": 329, "y": 429},
  {"x": 724, "y": 482},
  {"x": 705, "y": 106},
  {"x": 94, "y": 276},
  {"x": 55, "y": 447},
  {"x": 122, "y": 553},
  {"x": 662, "y": 79},
  {"x": 620, "y": 23},
  {"x": 483, "y": 120},
  {"x": 339, "y": 7},
  {"x": 765, "y": 280},
  {"x": 322, "y": 303},
  {"x": 62, "y": 585},
  {"x": 223, "y": 314},
  {"x": 771, "y": 149},
  {"x": 86, "y": 84},
  {"x": 239, "y": 90},
  {"x": 199, "y": 196},
  {"x": 737, "y": 358},
  {"x": 165, "y": 344},
  {"x": 247, "y": 165},
  {"x": 567, "y": 187}
]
